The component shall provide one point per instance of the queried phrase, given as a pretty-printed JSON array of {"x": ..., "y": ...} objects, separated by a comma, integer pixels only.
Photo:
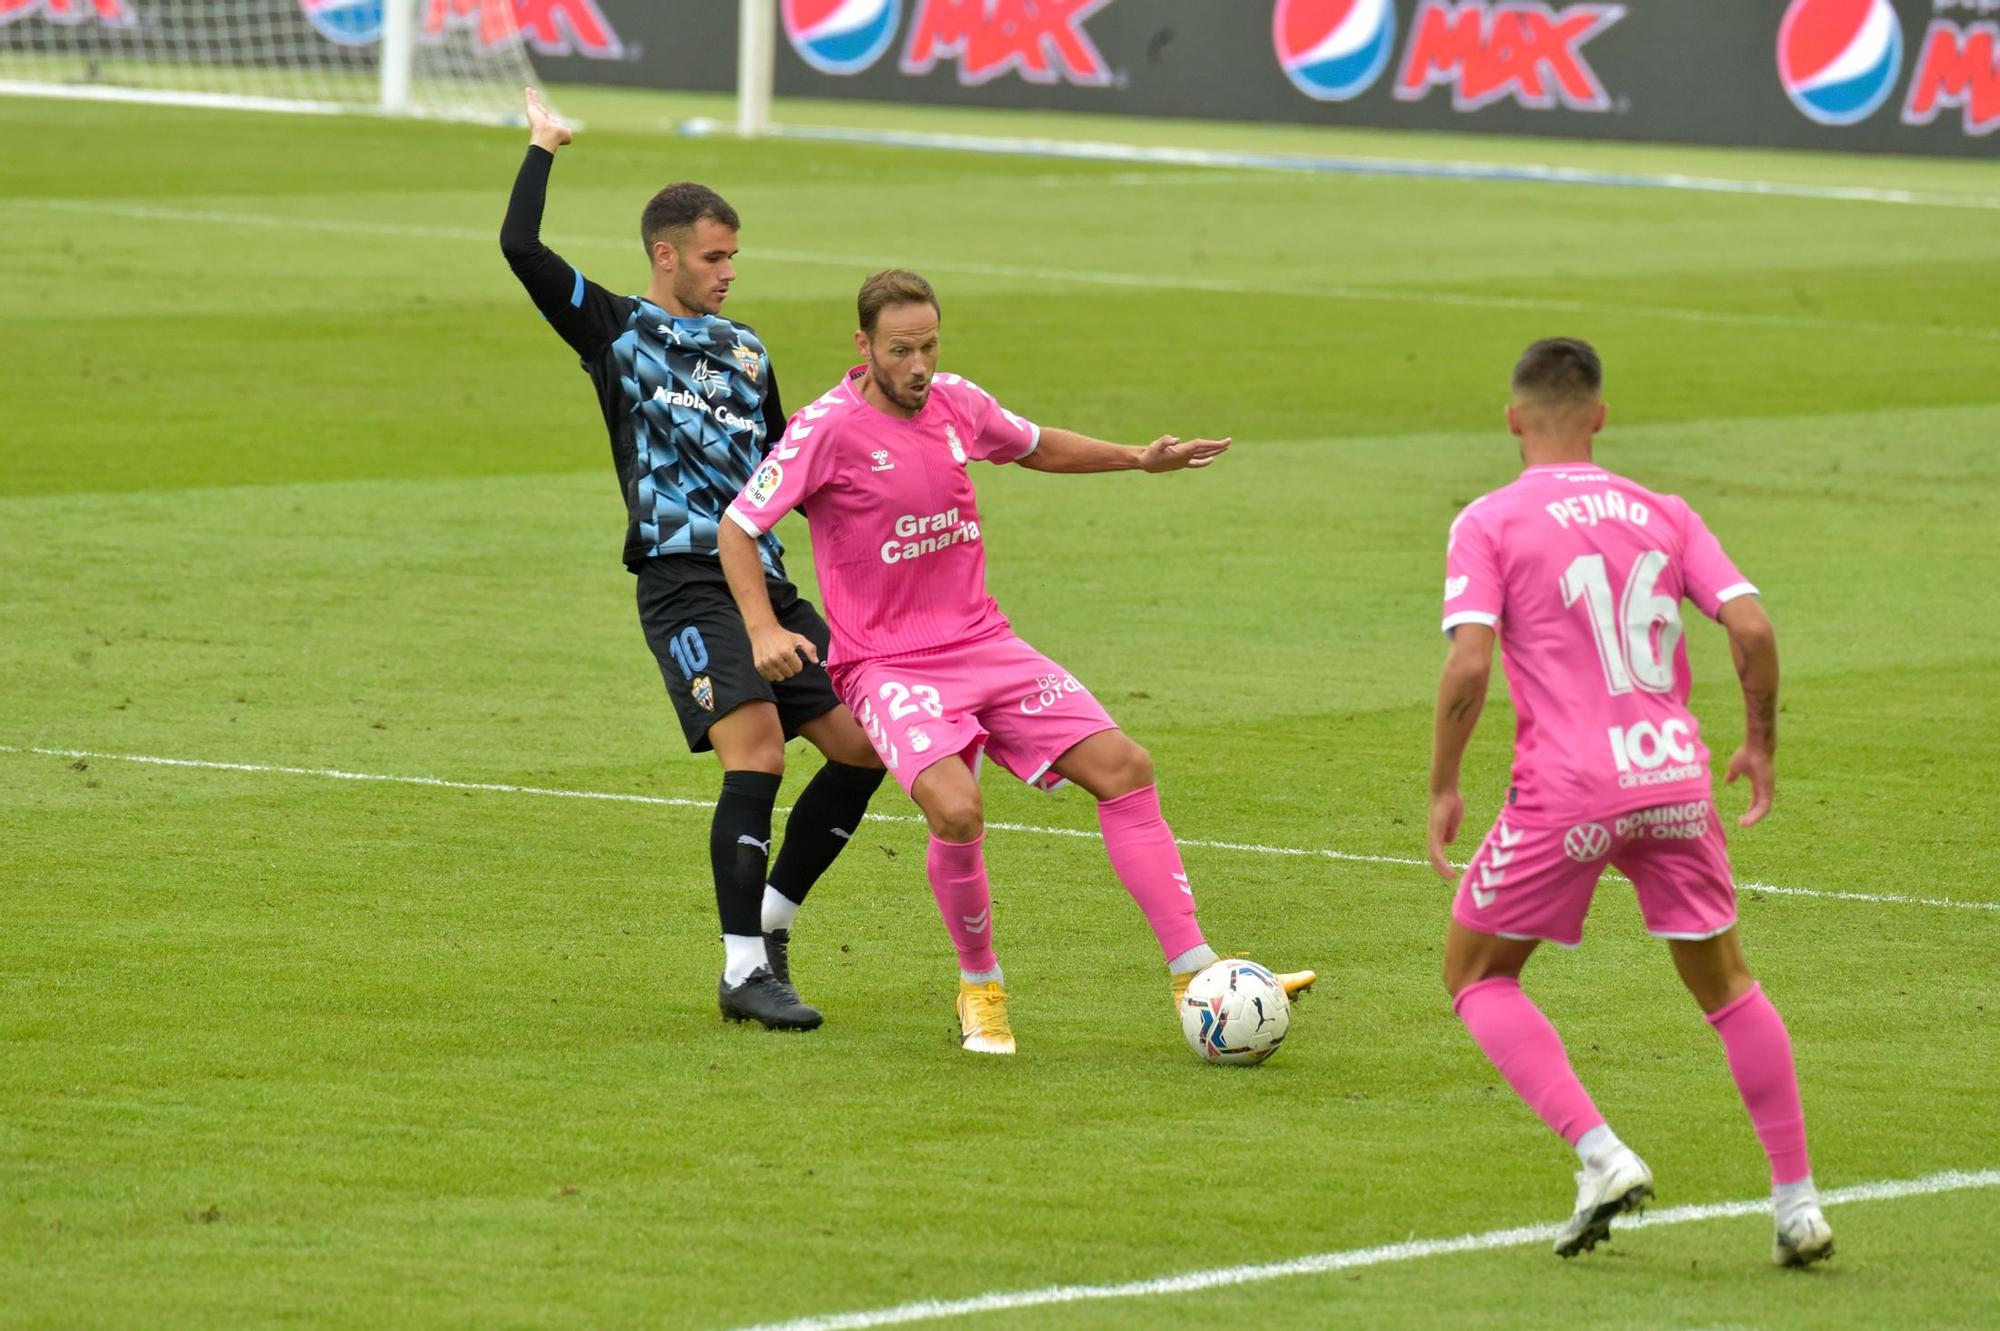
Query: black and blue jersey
[{"x": 691, "y": 404}]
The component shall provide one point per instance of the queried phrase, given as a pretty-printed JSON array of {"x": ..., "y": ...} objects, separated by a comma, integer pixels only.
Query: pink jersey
[
  {"x": 1582, "y": 573},
  {"x": 895, "y": 521}
]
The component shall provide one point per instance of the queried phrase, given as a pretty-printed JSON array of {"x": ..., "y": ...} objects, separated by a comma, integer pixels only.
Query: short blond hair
[{"x": 892, "y": 286}]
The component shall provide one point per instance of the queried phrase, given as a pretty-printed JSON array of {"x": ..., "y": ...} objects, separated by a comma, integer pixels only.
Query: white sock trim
[
  {"x": 1596, "y": 1144},
  {"x": 779, "y": 909},
  {"x": 1198, "y": 957},
  {"x": 1787, "y": 1198},
  {"x": 741, "y": 956}
]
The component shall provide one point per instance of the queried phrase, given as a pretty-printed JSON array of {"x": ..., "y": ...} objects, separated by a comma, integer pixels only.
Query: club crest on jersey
[
  {"x": 957, "y": 449},
  {"x": 765, "y": 483},
  {"x": 879, "y": 460},
  {"x": 748, "y": 361},
  {"x": 704, "y": 692},
  {"x": 708, "y": 379},
  {"x": 1586, "y": 842},
  {"x": 1455, "y": 587}
]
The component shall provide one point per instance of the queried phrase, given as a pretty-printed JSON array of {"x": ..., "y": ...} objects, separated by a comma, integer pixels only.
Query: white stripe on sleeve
[{"x": 1469, "y": 617}]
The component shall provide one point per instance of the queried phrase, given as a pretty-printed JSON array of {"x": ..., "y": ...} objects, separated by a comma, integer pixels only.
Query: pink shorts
[
  {"x": 1536, "y": 882},
  {"x": 1001, "y": 698}
]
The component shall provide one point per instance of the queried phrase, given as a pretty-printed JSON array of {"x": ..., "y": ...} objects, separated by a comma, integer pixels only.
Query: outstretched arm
[
  {"x": 583, "y": 313},
  {"x": 1753, "y": 644},
  {"x": 1461, "y": 695},
  {"x": 1067, "y": 452}
]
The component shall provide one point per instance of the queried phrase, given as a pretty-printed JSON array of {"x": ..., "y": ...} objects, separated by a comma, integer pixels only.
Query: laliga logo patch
[
  {"x": 1455, "y": 587},
  {"x": 346, "y": 22},
  {"x": 840, "y": 36},
  {"x": 765, "y": 483},
  {"x": 1838, "y": 59},
  {"x": 1333, "y": 50},
  {"x": 1586, "y": 842}
]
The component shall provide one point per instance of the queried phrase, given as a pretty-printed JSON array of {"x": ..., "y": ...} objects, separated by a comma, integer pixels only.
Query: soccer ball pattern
[{"x": 1235, "y": 1012}]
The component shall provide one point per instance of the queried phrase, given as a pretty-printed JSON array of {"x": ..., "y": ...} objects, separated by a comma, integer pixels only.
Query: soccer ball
[{"x": 1235, "y": 1012}]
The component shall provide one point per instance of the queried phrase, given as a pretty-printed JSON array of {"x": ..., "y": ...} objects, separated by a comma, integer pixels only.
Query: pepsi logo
[
  {"x": 348, "y": 22},
  {"x": 1333, "y": 50},
  {"x": 1838, "y": 59},
  {"x": 840, "y": 36}
]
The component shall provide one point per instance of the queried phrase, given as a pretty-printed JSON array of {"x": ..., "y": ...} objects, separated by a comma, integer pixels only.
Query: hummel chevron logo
[
  {"x": 1494, "y": 872},
  {"x": 976, "y": 924},
  {"x": 1182, "y": 879}
]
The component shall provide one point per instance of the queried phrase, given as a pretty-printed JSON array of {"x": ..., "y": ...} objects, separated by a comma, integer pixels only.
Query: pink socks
[
  {"x": 1760, "y": 1058},
  {"x": 958, "y": 881},
  {"x": 1513, "y": 1033},
  {"x": 1148, "y": 863}
]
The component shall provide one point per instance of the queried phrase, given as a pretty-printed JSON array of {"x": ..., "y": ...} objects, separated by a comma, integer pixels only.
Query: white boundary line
[
  {"x": 1219, "y": 160},
  {"x": 1035, "y": 273},
  {"x": 681, "y": 802},
  {"x": 1320, "y": 1263}
]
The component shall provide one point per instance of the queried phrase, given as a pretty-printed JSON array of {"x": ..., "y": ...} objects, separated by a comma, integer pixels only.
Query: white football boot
[
  {"x": 1620, "y": 1183},
  {"x": 1803, "y": 1236}
]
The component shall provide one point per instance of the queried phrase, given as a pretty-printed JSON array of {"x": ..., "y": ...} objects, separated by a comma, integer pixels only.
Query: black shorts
[{"x": 697, "y": 635}]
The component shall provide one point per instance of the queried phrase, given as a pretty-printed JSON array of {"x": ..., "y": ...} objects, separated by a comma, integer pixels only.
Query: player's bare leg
[
  {"x": 750, "y": 743},
  {"x": 1760, "y": 1059},
  {"x": 822, "y": 822},
  {"x": 1482, "y": 972},
  {"x": 1119, "y": 774},
  {"x": 948, "y": 793}
]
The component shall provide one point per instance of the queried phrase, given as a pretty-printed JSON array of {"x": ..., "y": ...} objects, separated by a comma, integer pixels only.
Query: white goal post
[
  {"x": 756, "y": 55},
  {"x": 447, "y": 59}
]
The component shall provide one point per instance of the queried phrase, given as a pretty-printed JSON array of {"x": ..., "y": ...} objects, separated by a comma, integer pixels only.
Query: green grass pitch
[{"x": 291, "y": 475}]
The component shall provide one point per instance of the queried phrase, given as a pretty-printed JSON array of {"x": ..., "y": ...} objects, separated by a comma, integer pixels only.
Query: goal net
[{"x": 451, "y": 59}]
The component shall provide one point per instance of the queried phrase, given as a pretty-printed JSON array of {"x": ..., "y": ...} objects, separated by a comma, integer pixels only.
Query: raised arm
[
  {"x": 1461, "y": 696},
  {"x": 1067, "y": 452},
  {"x": 1753, "y": 644},
  {"x": 584, "y": 314}
]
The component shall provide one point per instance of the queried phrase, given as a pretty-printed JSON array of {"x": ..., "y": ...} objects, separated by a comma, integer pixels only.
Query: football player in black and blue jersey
[{"x": 692, "y": 406}]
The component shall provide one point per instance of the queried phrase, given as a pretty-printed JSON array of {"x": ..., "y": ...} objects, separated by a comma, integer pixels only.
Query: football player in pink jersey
[
  {"x": 920, "y": 651},
  {"x": 1579, "y": 574}
]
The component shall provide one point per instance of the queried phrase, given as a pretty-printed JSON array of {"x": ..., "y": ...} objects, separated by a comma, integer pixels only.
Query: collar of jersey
[{"x": 687, "y": 323}]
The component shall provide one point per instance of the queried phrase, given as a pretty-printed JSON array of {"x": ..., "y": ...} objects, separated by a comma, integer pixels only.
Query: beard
[{"x": 904, "y": 398}]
